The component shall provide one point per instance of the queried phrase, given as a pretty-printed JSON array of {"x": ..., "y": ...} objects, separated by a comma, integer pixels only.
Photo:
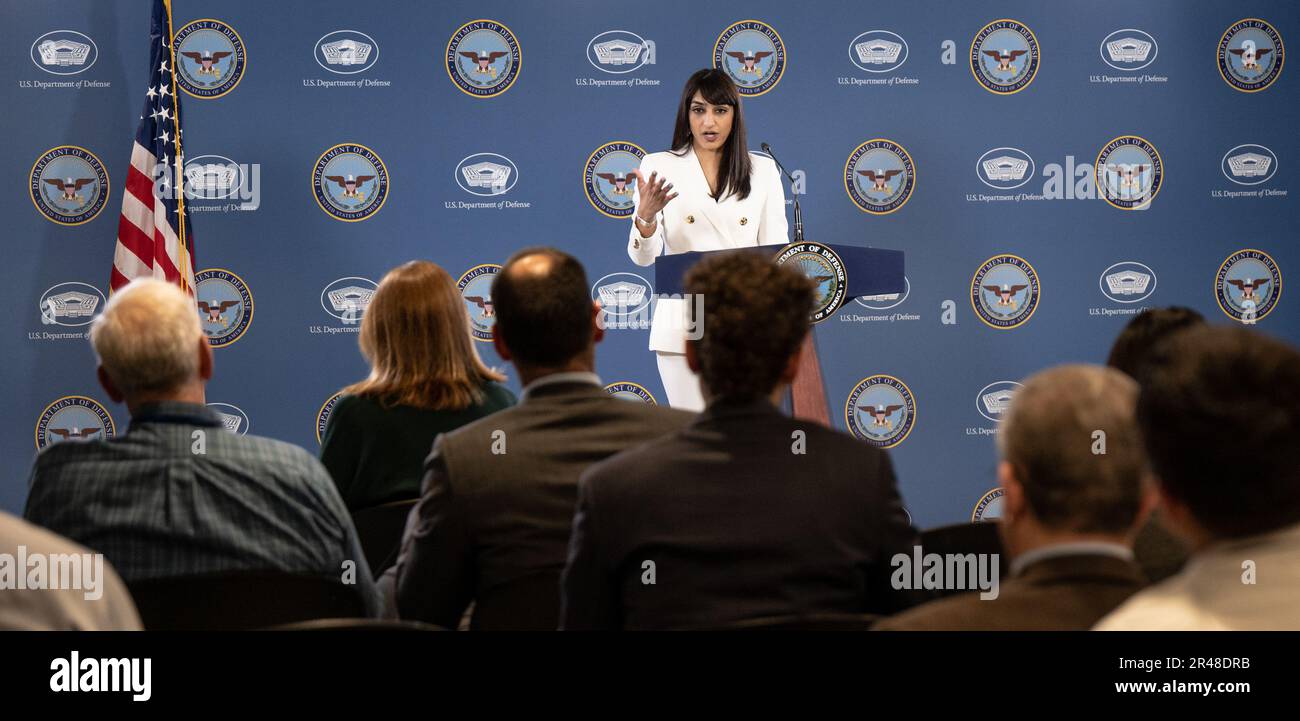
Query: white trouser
[{"x": 682, "y": 386}]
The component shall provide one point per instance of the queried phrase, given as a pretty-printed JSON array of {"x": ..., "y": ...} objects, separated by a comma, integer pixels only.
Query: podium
[{"x": 844, "y": 272}]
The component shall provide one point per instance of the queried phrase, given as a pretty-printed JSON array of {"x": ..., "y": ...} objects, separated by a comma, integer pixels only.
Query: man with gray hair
[
  {"x": 178, "y": 494},
  {"x": 1073, "y": 473}
]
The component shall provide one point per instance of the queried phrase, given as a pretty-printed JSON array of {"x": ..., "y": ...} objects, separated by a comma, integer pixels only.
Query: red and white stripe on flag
[
  {"x": 147, "y": 246},
  {"x": 147, "y": 243}
]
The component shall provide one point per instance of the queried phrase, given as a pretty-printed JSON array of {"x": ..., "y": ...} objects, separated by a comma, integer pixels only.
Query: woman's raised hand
[{"x": 654, "y": 194}]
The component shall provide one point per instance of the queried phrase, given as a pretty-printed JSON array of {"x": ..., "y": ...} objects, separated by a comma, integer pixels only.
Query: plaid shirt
[{"x": 155, "y": 507}]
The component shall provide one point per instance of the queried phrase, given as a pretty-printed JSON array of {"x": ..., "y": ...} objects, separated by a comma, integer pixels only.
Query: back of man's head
[
  {"x": 1220, "y": 414},
  {"x": 1132, "y": 349},
  {"x": 755, "y": 318},
  {"x": 543, "y": 307},
  {"x": 148, "y": 339},
  {"x": 1071, "y": 436}
]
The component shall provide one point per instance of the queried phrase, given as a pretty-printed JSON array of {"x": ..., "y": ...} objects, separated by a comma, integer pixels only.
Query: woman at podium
[{"x": 707, "y": 193}]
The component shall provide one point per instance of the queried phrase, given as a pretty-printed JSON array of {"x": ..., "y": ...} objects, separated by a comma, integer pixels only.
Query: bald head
[
  {"x": 543, "y": 308},
  {"x": 533, "y": 266},
  {"x": 149, "y": 341}
]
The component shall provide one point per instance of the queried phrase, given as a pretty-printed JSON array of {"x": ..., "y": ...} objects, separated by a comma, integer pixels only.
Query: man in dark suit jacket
[
  {"x": 493, "y": 521},
  {"x": 1070, "y": 509},
  {"x": 747, "y": 513}
]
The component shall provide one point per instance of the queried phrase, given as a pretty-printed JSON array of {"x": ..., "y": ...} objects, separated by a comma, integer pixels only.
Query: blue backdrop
[{"x": 849, "y": 73}]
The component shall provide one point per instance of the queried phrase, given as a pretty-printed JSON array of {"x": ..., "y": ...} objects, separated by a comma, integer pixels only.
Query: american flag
[{"x": 153, "y": 235}]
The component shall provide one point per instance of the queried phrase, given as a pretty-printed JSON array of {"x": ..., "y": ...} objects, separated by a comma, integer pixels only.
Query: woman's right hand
[{"x": 654, "y": 195}]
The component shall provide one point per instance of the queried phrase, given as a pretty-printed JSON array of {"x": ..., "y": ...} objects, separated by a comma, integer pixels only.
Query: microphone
[{"x": 798, "y": 215}]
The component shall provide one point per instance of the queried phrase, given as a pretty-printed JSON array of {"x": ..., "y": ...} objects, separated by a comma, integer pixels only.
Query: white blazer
[{"x": 693, "y": 221}]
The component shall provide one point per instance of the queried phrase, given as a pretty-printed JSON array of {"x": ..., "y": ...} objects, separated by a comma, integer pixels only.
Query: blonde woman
[{"x": 425, "y": 378}]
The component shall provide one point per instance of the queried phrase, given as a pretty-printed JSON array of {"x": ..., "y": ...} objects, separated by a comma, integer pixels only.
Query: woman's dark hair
[{"x": 717, "y": 88}]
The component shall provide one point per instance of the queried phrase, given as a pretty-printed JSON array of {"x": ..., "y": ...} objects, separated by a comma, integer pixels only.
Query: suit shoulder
[
  {"x": 650, "y": 419},
  {"x": 762, "y": 162},
  {"x": 57, "y": 453},
  {"x": 62, "y": 455},
  {"x": 348, "y": 406},
  {"x": 662, "y": 415},
  {"x": 764, "y": 168},
  {"x": 503, "y": 419},
  {"x": 621, "y": 468},
  {"x": 349, "y": 400}
]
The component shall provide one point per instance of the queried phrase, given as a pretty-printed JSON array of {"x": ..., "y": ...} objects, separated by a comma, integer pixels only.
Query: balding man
[
  {"x": 1074, "y": 475},
  {"x": 493, "y": 522},
  {"x": 177, "y": 494}
]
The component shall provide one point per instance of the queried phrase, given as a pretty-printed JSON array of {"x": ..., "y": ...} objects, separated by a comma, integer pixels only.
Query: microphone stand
[
  {"x": 798, "y": 214},
  {"x": 807, "y": 392}
]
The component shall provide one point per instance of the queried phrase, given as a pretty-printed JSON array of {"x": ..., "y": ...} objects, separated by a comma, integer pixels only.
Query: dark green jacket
[{"x": 375, "y": 454}]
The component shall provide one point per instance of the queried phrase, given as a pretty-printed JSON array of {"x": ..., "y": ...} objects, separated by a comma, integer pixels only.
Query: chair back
[{"x": 242, "y": 600}]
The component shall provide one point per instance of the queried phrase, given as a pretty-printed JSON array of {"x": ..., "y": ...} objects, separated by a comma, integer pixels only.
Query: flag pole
[{"x": 178, "y": 176}]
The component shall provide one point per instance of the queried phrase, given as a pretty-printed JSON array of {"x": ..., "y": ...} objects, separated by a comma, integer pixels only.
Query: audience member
[
  {"x": 496, "y": 509},
  {"x": 177, "y": 494},
  {"x": 747, "y": 513},
  {"x": 1073, "y": 472},
  {"x": 425, "y": 378},
  {"x": 1220, "y": 417}
]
